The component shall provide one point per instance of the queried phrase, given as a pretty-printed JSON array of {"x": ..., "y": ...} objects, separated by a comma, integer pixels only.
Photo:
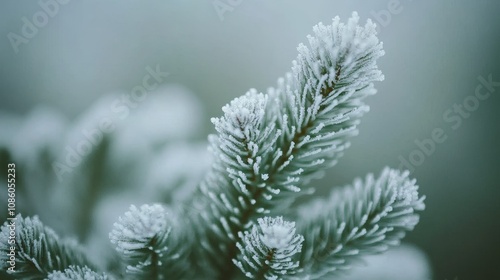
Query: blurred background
[{"x": 84, "y": 56}]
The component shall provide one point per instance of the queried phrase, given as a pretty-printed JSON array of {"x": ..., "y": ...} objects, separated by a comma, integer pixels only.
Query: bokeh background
[{"x": 435, "y": 52}]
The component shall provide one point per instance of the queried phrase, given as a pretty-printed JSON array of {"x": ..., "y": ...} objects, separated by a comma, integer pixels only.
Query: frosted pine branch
[
  {"x": 76, "y": 273},
  {"x": 243, "y": 143},
  {"x": 319, "y": 104},
  {"x": 269, "y": 250},
  {"x": 269, "y": 145},
  {"x": 365, "y": 218},
  {"x": 39, "y": 250},
  {"x": 143, "y": 238},
  {"x": 267, "y": 148}
]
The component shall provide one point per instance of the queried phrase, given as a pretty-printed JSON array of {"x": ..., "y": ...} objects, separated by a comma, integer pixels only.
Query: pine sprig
[
  {"x": 320, "y": 103},
  {"x": 39, "y": 250},
  {"x": 146, "y": 239},
  {"x": 269, "y": 250},
  {"x": 269, "y": 145},
  {"x": 243, "y": 143},
  {"x": 365, "y": 218}
]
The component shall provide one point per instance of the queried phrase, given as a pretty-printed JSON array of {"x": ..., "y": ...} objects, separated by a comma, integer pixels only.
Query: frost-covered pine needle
[
  {"x": 143, "y": 236},
  {"x": 362, "y": 219},
  {"x": 136, "y": 229},
  {"x": 269, "y": 145},
  {"x": 38, "y": 249},
  {"x": 269, "y": 250}
]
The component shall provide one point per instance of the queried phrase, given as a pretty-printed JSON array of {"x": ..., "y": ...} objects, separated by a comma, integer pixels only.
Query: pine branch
[
  {"x": 76, "y": 273},
  {"x": 243, "y": 142},
  {"x": 268, "y": 146},
  {"x": 266, "y": 149},
  {"x": 147, "y": 240},
  {"x": 38, "y": 249},
  {"x": 365, "y": 218},
  {"x": 318, "y": 105},
  {"x": 268, "y": 250}
]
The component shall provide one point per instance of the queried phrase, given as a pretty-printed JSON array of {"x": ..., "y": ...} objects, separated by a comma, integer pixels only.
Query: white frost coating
[
  {"x": 269, "y": 249},
  {"x": 341, "y": 46},
  {"x": 318, "y": 105},
  {"x": 244, "y": 135},
  {"x": 38, "y": 249},
  {"x": 243, "y": 116},
  {"x": 339, "y": 52},
  {"x": 276, "y": 233},
  {"x": 396, "y": 185},
  {"x": 406, "y": 189},
  {"x": 138, "y": 226}
]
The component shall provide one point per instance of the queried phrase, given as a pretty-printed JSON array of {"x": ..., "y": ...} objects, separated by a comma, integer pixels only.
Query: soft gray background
[{"x": 435, "y": 50}]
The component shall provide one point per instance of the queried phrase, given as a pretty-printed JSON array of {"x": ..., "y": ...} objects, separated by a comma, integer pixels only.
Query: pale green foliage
[
  {"x": 39, "y": 250},
  {"x": 267, "y": 148}
]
